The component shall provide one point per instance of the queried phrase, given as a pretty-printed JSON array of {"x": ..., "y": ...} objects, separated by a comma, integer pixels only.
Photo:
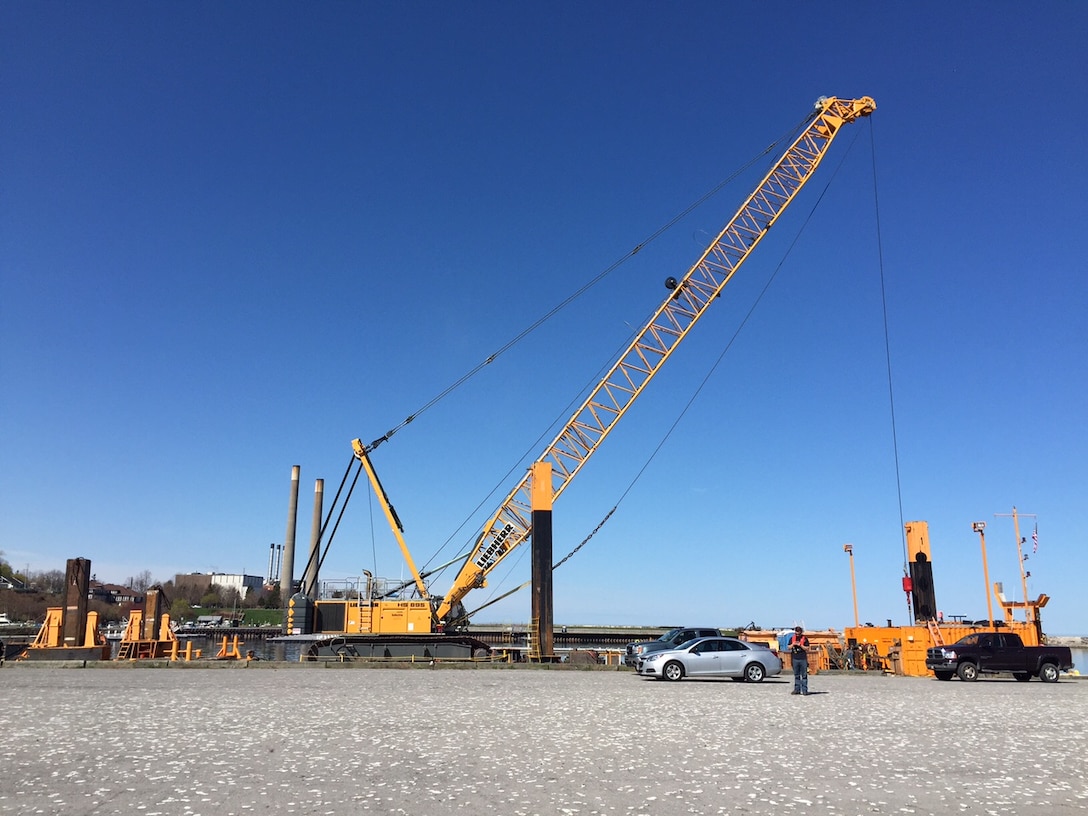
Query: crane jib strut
[{"x": 686, "y": 302}]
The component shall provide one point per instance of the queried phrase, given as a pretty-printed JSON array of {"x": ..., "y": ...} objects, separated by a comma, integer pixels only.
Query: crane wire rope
[
  {"x": 789, "y": 135},
  {"x": 888, "y": 350},
  {"x": 449, "y": 389},
  {"x": 529, "y": 451},
  {"x": 702, "y": 384}
]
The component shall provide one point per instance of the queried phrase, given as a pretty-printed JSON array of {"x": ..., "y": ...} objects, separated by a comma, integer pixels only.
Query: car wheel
[
  {"x": 1022, "y": 677},
  {"x": 944, "y": 675},
  {"x": 1048, "y": 673},
  {"x": 754, "y": 673},
  {"x": 967, "y": 672},
  {"x": 672, "y": 671}
]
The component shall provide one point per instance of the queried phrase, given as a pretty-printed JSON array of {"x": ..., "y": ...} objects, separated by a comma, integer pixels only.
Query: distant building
[
  {"x": 11, "y": 582},
  {"x": 114, "y": 594},
  {"x": 196, "y": 583},
  {"x": 242, "y": 583},
  {"x": 223, "y": 580}
]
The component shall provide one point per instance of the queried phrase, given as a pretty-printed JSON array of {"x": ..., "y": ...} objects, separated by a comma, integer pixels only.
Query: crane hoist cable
[
  {"x": 888, "y": 355},
  {"x": 672, "y": 222},
  {"x": 609, "y": 400},
  {"x": 706, "y": 378},
  {"x": 527, "y": 453},
  {"x": 464, "y": 378},
  {"x": 592, "y": 380},
  {"x": 558, "y": 563}
]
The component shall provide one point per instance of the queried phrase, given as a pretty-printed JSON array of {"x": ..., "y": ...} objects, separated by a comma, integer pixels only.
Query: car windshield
[
  {"x": 687, "y": 644},
  {"x": 670, "y": 636}
]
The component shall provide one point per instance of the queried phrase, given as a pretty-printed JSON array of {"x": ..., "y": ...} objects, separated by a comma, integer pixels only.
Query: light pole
[
  {"x": 1029, "y": 610},
  {"x": 849, "y": 550},
  {"x": 1029, "y": 613},
  {"x": 980, "y": 527}
]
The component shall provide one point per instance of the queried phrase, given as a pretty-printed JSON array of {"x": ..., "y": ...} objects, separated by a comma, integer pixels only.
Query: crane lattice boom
[{"x": 685, "y": 304}]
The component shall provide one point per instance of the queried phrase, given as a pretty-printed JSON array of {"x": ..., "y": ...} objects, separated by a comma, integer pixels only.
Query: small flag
[{"x": 1035, "y": 539}]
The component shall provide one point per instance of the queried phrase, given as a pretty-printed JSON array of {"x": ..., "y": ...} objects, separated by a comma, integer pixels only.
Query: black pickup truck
[{"x": 995, "y": 652}]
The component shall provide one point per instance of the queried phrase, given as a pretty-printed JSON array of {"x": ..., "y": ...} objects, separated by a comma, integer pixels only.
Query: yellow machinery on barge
[
  {"x": 901, "y": 650},
  {"x": 71, "y": 632}
]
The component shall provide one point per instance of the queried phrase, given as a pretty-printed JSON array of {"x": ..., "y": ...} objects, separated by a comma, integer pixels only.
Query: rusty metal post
[
  {"x": 153, "y": 612},
  {"x": 77, "y": 585}
]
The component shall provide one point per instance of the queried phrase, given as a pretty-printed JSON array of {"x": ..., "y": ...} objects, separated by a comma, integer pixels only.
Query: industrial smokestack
[
  {"x": 287, "y": 574},
  {"x": 309, "y": 580},
  {"x": 269, "y": 576}
]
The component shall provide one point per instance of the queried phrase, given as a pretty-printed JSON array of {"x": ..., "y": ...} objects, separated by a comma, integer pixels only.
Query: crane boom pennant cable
[{"x": 687, "y": 301}]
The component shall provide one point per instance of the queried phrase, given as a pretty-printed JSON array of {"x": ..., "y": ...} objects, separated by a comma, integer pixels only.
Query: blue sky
[{"x": 236, "y": 236}]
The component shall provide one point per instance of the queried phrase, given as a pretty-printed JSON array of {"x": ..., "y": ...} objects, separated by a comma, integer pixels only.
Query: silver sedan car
[{"x": 712, "y": 657}]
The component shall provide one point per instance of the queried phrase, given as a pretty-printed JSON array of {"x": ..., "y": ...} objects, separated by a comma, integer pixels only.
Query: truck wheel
[
  {"x": 967, "y": 672},
  {"x": 944, "y": 675},
  {"x": 673, "y": 671},
  {"x": 1048, "y": 673},
  {"x": 754, "y": 673},
  {"x": 1022, "y": 677}
]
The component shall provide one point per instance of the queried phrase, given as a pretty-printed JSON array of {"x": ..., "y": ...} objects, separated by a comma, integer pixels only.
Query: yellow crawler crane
[{"x": 688, "y": 299}]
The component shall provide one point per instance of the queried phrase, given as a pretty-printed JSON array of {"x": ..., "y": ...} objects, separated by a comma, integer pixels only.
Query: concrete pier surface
[{"x": 295, "y": 739}]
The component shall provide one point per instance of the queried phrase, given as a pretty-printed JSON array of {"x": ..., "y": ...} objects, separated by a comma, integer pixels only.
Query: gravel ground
[{"x": 523, "y": 741}]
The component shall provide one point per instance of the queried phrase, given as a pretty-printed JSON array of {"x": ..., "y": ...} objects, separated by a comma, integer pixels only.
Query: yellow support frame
[{"x": 390, "y": 514}]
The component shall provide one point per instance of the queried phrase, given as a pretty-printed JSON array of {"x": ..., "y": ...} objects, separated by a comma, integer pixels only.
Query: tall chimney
[
  {"x": 309, "y": 581},
  {"x": 287, "y": 573}
]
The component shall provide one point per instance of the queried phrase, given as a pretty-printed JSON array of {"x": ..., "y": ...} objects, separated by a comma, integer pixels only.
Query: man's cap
[{"x": 798, "y": 629}]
